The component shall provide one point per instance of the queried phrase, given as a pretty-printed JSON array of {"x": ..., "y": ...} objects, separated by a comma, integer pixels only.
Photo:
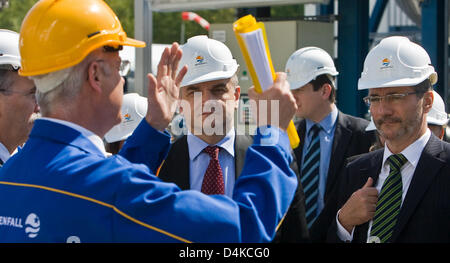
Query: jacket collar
[{"x": 60, "y": 133}]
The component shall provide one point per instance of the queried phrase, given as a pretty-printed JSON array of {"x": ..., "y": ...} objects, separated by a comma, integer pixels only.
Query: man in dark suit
[
  {"x": 209, "y": 97},
  {"x": 399, "y": 193},
  {"x": 321, "y": 153}
]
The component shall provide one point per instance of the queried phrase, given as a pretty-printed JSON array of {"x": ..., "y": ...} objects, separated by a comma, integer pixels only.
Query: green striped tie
[{"x": 389, "y": 202}]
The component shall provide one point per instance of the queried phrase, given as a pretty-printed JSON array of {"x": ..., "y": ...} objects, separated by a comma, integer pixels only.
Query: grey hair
[
  {"x": 234, "y": 83},
  {"x": 68, "y": 89}
]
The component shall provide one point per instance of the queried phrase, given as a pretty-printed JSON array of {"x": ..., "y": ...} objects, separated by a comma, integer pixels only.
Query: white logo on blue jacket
[{"x": 32, "y": 224}]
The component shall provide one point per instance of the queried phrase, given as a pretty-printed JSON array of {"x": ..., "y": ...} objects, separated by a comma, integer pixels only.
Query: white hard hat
[
  {"x": 9, "y": 49},
  {"x": 207, "y": 60},
  {"x": 396, "y": 62},
  {"x": 306, "y": 64},
  {"x": 134, "y": 108},
  {"x": 437, "y": 114}
]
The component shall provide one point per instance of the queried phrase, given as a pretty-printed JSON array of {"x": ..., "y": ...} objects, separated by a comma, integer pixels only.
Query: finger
[
  {"x": 174, "y": 48},
  {"x": 280, "y": 79},
  {"x": 281, "y": 76},
  {"x": 152, "y": 86},
  {"x": 368, "y": 183},
  {"x": 371, "y": 191},
  {"x": 173, "y": 51},
  {"x": 176, "y": 62},
  {"x": 372, "y": 199},
  {"x": 181, "y": 75},
  {"x": 162, "y": 66}
]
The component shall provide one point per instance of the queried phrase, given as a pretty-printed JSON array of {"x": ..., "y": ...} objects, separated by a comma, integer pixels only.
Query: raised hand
[{"x": 163, "y": 90}]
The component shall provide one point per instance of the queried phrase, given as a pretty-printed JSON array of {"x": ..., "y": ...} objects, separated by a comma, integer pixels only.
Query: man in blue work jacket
[{"x": 62, "y": 188}]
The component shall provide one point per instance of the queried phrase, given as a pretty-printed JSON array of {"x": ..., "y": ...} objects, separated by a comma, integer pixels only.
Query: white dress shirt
[
  {"x": 4, "y": 153},
  {"x": 95, "y": 139},
  {"x": 199, "y": 161},
  {"x": 412, "y": 154}
]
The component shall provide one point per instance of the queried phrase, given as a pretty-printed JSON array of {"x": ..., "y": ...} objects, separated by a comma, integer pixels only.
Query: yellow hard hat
[{"x": 57, "y": 34}]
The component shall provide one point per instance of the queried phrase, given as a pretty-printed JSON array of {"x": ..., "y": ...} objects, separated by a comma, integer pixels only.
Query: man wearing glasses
[
  {"x": 18, "y": 107},
  {"x": 399, "y": 193}
]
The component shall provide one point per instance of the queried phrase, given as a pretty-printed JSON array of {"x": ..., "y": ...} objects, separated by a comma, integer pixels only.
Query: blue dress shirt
[
  {"x": 199, "y": 161},
  {"x": 326, "y": 134}
]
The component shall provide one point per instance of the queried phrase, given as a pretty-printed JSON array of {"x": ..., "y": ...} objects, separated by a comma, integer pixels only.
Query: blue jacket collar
[{"x": 59, "y": 133}]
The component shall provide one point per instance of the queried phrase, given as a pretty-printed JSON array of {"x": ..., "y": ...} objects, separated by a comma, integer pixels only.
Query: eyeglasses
[
  {"x": 390, "y": 98},
  {"x": 124, "y": 68}
]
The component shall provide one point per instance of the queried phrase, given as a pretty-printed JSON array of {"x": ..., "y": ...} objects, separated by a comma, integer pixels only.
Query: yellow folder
[{"x": 252, "y": 39}]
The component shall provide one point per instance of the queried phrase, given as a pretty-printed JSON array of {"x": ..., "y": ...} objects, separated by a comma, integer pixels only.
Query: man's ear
[
  {"x": 428, "y": 99},
  {"x": 94, "y": 77},
  {"x": 326, "y": 91},
  {"x": 237, "y": 95}
]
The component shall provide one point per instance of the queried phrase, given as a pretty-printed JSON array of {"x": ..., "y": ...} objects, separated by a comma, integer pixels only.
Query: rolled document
[{"x": 252, "y": 39}]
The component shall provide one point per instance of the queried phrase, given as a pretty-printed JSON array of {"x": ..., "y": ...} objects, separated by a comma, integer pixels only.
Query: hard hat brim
[
  {"x": 10, "y": 60},
  {"x": 216, "y": 75},
  {"x": 133, "y": 42},
  {"x": 296, "y": 85},
  {"x": 403, "y": 82}
]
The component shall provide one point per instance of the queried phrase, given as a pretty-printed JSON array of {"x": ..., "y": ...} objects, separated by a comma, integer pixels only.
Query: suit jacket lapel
[
  {"x": 427, "y": 168},
  {"x": 176, "y": 166},
  {"x": 182, "y": 177},
  {"x": 298, "y": 152},
  {"x": 342, "y": 137}
]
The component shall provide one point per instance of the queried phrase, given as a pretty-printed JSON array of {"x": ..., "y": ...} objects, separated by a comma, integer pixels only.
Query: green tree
[
  {"x": 124, "y": 10},
  {"x": 11, "y": 17},
  {"x": 166, "y": 25},
  {"x": 288, "y": 11}
]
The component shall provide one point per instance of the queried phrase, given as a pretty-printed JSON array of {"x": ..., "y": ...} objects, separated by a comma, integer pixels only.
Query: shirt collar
[
  {"x": 413, "y": 151},
  {"x": 4, "y": 153},
  {"x": 326, "y": 124},
  {"x": 196, "y": 145},
  {"x": 95, "y": 139}
]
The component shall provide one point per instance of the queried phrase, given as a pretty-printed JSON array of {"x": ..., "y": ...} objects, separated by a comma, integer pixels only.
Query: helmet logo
[
  {"x": 386, "y": 63},
  {"x": 127, "y": 118},
  {"x": 199, "y": 60}
]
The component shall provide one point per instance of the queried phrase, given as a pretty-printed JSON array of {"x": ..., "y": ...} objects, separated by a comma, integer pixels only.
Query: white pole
[{"x": 143, "y": 30}]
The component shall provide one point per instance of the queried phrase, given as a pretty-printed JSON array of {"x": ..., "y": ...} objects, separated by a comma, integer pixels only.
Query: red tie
[{"x": 213, "y": 179}]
